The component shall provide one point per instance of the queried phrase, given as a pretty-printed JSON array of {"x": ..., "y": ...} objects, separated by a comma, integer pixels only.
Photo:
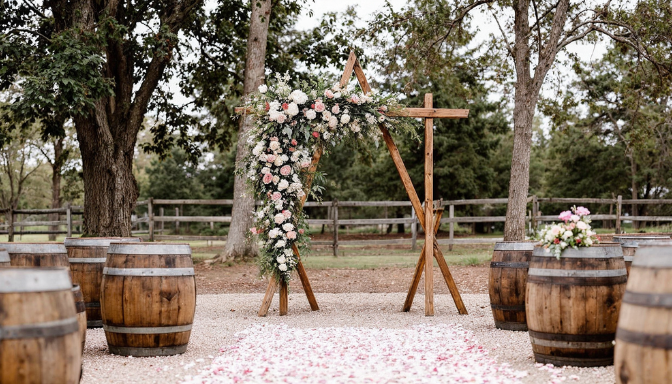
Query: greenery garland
[{"x": 290, "y": 124}]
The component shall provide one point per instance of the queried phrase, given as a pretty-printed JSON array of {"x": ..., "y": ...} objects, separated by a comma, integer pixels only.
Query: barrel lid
[
  {"x": 13, "y": 279},
  {"x": 119, "y": 248},
  {"x": 636, "y": 239},
  {"x": 654, "y": 255},
  {"x": 597, "y": 251},
  {"x": 514, "y": 245},
  {"x": 97, "y": 241},
  {"x": 647, "y": 243},
  {"x": 35, "y": 248}
]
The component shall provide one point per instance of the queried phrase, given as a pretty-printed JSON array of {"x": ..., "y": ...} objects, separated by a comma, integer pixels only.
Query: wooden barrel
[
  {"x": 631, "y": 243},
  {"x": 87, "y": 259},
  {"x": 81, "y": 312},
  {"x": 4, "y": 258},
  {"x": 148, "y": 298},
  {"x": 508, "y": 276},
  {"x": 39, "y": 338},
  {"x": 573, "y": 303},
  {"x": 644, "y": 336},
  {"x": 37, "y": 254}
]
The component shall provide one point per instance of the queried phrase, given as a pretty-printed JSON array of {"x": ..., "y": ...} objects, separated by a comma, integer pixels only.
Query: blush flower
[
  {"x": 287, "y": 213},
  {"x": 329, "y": 94},
  {"x": 335, "y": 109},
  {"x": 291, "y": 235},
  {"x": 285, "y": 170},
  {"x": 319, "y": 106},
  {"x": 276, "y": 196},
  {"x": 316, "y": 134},
  {"x": 267, "y": 178}
]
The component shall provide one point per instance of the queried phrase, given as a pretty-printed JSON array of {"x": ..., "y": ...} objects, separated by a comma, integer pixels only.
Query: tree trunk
[
  {"x": 56, "y": 168},
  {"x": 635, "y": 188},
  {"x": 242, "y": 217}
]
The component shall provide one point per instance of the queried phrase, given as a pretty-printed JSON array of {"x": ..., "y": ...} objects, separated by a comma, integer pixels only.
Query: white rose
[
  {"x": 345, "y": 119},
  {"x": 260, "y": 215},
  {"x": 549, "y": 237},
  {"x": 288, "y": 252},
  {"x": 278, "y": 161},
  {"x": 293, "y": 109},
  {"x": 563, "y": 245},
  {"x": 265, "y": 170},
  {"x": 337, "y": 95},
  {"x": 333, "y": 122},
  {"x": 589, "y": 241},
  {"x": 262, "y": 157},
  {"x": 555, "y": 230},
  {"x": 310, "y": 114},
  {"x": 274, "y": 105},
  {"x": 298, "y": 96},
  {"x": 273, "y": 233},
  {"x": 282, "y": 267},
  {"x": 355, "y": 128},
  {"x": 281, "y": 260},
  {"x": 280, "y": 244},
  {"x": 581, "y": 225},
  {"x": 283, "y": 185},
  {"x": 567, "y": 234},
  {"x": 257, "y": 150},
  {"x": 326, "y": 135},
  {"x": 275, "y": 145},
  {"x": 288, "y": 227},
  {"x": 575, "y": 218},
  {"x": 263, "y": 88},
  {"x": 276, "y": 179},
  {"x": 273, "y": 115},
  {"x": 326, "y": 115},
  {"x": 279, "y": 218}
]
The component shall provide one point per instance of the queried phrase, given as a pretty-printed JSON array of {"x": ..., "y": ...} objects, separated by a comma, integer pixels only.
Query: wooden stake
[
  {"x": 419, "y": 267},
  {"x": 429, "y": 209},
  {"x": 284, "y": 298},
  {"x": 305, "y": 282},
  {"x": 268, "y": 297}
]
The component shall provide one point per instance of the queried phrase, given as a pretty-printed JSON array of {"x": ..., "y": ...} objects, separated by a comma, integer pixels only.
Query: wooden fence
[{"x": 155, "y": 218}]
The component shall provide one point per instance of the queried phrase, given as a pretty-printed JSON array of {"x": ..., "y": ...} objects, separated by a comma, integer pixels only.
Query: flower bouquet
[{"x": 574, "y": 232}]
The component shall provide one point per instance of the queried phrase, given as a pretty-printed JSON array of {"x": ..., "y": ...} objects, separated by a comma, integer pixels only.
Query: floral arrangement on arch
[
  {"x": 290, "y": 124},
  {"x": 574, "y": 232}
]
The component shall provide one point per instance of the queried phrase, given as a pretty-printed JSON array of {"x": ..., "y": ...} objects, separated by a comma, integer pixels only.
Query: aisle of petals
[{"x": 424, "y": 354}]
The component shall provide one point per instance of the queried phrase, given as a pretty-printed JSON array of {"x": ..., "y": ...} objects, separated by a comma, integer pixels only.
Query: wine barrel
[
  {"x": 37, "y": 254},
  {"x": 87, "y": 259},
  {"x": 572, "y": 304},
  {"x": 39, "y": 338},
  {"x": 508, "y": 276},
  {"x": 81, "y": 312},
  {"x": 148, "y": 298},
  {"x": 644, "y": 337},
  {"x": 4, "y": 258},
  {"x": 631, "y": 243}
]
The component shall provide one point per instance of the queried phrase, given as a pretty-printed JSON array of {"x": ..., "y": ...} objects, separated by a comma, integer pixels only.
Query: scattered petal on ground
[{"x": 424, "y": 354}]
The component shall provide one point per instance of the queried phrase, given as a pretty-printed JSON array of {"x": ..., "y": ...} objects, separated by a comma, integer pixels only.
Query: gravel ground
[{"x": 220, "y": 317}]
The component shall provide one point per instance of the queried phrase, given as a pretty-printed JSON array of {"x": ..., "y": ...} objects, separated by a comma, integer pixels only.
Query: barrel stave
[{"x": 508, "y": 276}]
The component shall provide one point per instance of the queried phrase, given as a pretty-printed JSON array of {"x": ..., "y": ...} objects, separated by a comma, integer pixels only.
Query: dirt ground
[{"x": 243, "y": 278}]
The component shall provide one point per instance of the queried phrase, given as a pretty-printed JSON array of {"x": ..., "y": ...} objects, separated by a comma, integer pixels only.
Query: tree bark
[
  {"x": 242, "y": 217},
  {"x": 634, "y": 187},
  {"x": 525, "y": 100}
]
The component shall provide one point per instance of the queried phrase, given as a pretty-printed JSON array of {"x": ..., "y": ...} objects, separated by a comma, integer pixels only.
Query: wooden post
[
  {"x": 10, "y": 224},
  {"x": 414, "y": 230},
  {"x": 284, "y": 298},
  {"x": 429, "y": 209},
  {"x": 334, "y": 205},
  {"x": 68, "y": 218},
  {"x": 150, "y": 218},
  {"x": 163, "y": 223},
  {"x": 451, "y": 214},
  {"x": 619, "y": 204},
  {"x": 535, "y": 209},
  {"x": 177, "y": 222}
]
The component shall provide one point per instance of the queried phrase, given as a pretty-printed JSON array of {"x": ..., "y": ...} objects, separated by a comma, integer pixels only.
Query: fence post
[
  {"x": 451, "y": 231},
  {"x": 334, "y": 205},
  {"x": 177, "y": 222},
  {"x": 10, "y": 226},
  {"x": 68, "y": 218},
  {"x": 619, "y": 202},
  {"x": 150, "y": 218},
  {"x": 163, "y": 223},
  {"x": 535, "y": 212},
  {"x": 414, "y": 229}
]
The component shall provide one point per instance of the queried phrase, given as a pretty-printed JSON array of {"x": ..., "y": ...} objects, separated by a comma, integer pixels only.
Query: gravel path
[{"x": 220, "y": 317}]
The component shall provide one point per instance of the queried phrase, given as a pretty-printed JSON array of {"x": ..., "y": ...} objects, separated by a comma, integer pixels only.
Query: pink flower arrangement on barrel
[
  {"x": 574, "y": 232},
  {"x": 290, "y": 124}
]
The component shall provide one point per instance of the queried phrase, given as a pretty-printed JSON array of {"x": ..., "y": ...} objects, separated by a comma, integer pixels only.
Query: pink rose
[
  {"x": 316, "y": 134},
  {"x": 281, "y": 119},
  {"x": 294, "y": 142},
  {"x": 291, "y": 235},
  {"x": 328, "y": 93},
  {"x": 582, "y": 211},
  {"x": 287, "y": 213},
  {"x": 354, "y": 99},
  {"x": 319, "y": 106},
  {"x": 276, "y": 196},
  {"x": 267, "y": 178},
  {"x": 292, "y": 149},
  {"x": 335, "y": 109},
  {"x": 286, "y": 170},
  {"x": 301, "y": 231},
  {"x": 253, "y": 230},
  {"x": 270, "y": 158},
  {"x": 565, "y": 216}
]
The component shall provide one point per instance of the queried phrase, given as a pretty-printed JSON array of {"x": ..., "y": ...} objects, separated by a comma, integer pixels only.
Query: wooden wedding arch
[{"x": 428, "y": 217}]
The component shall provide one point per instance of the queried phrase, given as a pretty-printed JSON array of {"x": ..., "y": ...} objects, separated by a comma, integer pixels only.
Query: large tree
[
  {"x": 97, "y": 63},
  {"x": 532, "y": 34}
]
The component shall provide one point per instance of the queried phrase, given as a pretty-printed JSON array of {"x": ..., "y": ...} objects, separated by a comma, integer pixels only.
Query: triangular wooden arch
[{"x": 428, "y": 217}]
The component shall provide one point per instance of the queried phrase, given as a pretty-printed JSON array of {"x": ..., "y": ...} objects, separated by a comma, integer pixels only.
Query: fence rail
[{"x": 155, "y": 222}]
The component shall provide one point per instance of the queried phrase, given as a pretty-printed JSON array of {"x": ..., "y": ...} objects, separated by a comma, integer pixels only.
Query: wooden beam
[
  {"x": 349, "y": 66},
  {"x": 419, "y": 267},
  {"x": 429, "y": 208},
  {"x": 268, "y": 297},
  {"x": 303, "y": 276},
  {"x": 430, "y": 113},
  {"x": 284, "y": 298}
]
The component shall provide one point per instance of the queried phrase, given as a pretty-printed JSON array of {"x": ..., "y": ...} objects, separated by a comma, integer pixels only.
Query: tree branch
[
  {"x": 506, "y": 40},
  {"x": 16, "y": 31}
]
